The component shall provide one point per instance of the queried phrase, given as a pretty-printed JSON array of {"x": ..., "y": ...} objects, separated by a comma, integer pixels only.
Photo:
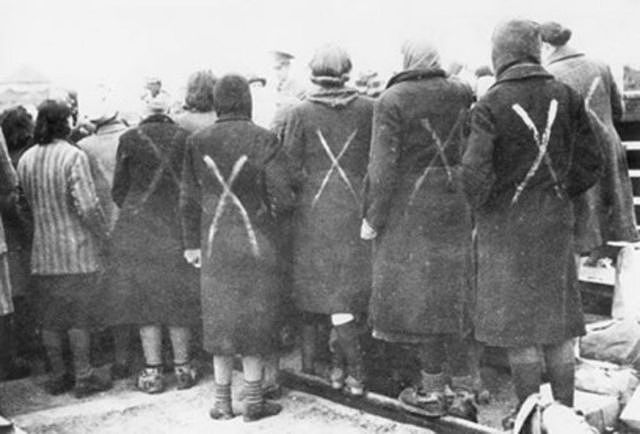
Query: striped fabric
[
  {"x": 8, "y": 183},
  {"x": 57, "y": 183},
  {"x": 6, "y": 300}
]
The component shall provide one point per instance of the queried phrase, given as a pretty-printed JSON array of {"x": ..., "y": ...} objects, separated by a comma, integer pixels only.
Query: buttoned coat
[
  {"x": 422, "y": 254},
  {"x": 605, "y": 212},
  {"x": 527, "y": 292},
  {"x": 331, "y": 264}
]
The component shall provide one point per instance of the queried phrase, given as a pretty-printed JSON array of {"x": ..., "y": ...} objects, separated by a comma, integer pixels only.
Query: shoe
[
  {"x": 433, "y": 404},
  {"x": 59, "y": 384},
  {"x": 337, "y": 377},
  {"x": 92, "y": 383},
  {"x": 186, "y": 376},
  {"x": 254, "y": 412},
  {"x": 120, "y": 371},
  {"x": 269, "y": 391},
  {"x": 151, "y": 380},
  {"x": 219, "y": 413},
  {"x": 463, "y": 406}
]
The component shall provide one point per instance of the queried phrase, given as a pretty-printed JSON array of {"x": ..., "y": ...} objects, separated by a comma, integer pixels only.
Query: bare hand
[{"x": 193, "y": 257}]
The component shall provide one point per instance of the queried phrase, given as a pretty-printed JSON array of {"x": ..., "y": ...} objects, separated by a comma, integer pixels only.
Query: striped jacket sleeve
[{"x": 85, "y": 199}]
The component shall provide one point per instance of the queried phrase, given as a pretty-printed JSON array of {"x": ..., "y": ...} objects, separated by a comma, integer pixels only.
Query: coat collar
[
  {"x": 521, "y": 71},
  {"x": 111, "y": 127},
  {"x": 232, "y": 117},
  {"x": 158, "y": 118},
  {"x": 563, "y": 53},
  {"x": 415, "y": 75}
]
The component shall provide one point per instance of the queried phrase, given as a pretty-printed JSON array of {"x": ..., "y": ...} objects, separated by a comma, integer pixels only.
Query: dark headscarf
[
  {"x": 232, "y": 96},
  {"x": 515, "y": 41}
]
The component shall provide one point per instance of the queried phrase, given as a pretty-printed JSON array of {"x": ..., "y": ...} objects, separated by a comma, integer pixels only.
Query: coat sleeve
[
  {"x": 587, "y": 163},
  {"x": 190, "y": 199},
  {"x": 617, "y": 106},
  {"x": 85, "y": 199},
  {"x": 277, "y": 180},
  {"x": 294, "y": 147},
  {"x": 382, "y": 173},
  {"x": 8, "y": 177},
  {"x": 121, "y": 174},
  {"x": 478, "y": 173}
]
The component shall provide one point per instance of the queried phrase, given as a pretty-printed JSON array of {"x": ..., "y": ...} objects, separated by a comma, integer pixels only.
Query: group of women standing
[{"x": 381, "y": 200}]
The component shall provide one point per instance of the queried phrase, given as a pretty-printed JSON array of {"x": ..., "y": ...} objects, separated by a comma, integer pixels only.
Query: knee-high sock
[
  {"x": 560, "y": 362},
  {"x": 180, "y": 337},
  {"x": 52, "y": 341},
  {"x": 151, "y": 337},
  {"x": 80, "y": 342},
  {"x": 526, "y": 371}
]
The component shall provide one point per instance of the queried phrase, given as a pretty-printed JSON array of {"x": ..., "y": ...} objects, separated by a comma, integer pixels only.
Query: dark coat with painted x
[
  {"x": 422, "y": 255},
  {"x": 234, "y": 189},
  {"x": 150, "y": 280},
  {"x": 327, "y": 141},
  {"x": 523, "y": 205}
]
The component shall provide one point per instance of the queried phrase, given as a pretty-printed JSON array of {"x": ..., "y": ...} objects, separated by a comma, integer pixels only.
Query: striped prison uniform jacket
[
  {"x": 69, "y": 223},
  {"x": 8, "y": 187}
]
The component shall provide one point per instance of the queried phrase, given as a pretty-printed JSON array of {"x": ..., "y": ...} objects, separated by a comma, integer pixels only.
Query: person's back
[
  {"x": 101, "y": 149},
  {"x": 61, "y": 241}
]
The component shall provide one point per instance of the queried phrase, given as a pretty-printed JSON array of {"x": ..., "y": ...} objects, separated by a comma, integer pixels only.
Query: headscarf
[
  {"x": 515, "y": 41},
  {"x": 555, "y": 33},
  {"x": 420, "y": 54}
]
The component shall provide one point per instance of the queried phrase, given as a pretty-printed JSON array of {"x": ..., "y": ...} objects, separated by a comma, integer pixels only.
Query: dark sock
[
  {"x": 52, "y": 341},
  {"x": 121, "y": 339},
  {"x": 254, "y": 392},
  {"x": 432, "y": 355},
  {"x": 526, "y": 379},
  {"x": 222, "y": 397},
  {"x": 349, "y": 343},
  {"x": 309, "y": 335}
]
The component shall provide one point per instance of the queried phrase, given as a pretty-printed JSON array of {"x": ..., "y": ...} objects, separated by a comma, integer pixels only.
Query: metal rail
[{"x": 383, "y": 406}]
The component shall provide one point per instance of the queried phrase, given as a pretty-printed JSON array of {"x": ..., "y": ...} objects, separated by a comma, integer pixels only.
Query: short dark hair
[
  {"x": 555, "y": 33},
  {"x": 52, "y": 122},
  {"x": 200, "y": 91},
  {"x": 17, "y": 128}
]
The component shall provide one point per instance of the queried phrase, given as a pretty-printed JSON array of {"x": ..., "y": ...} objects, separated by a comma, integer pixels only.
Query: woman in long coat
[
  {"x": 530, "y": 151},
  {"x": 421, "y": 224},
  {"x": 234, "y": 185},
  {"x": 605, "y": 212},
  {"x": 326, "y": 138},
  {"x": 153, "y": 285}
]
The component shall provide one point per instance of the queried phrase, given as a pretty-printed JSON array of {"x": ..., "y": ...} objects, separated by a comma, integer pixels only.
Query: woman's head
[
  {"x": 330, "y": 66},
  {"x": 515, "y": 41},
  {"x": 419, "y": 54},
  {"x": 52, "y": 121},
  {"x": 17, "y": 128},
  {"x": 200, "y": 91},
  {"x": 232, "y": 96},
  {"x": 555, "y": 33}
]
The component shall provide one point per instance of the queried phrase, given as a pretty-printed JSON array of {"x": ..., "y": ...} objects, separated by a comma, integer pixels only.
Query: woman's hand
[
  {"x": 367, "y": 232},
  {"x": 193, "y": 257}
]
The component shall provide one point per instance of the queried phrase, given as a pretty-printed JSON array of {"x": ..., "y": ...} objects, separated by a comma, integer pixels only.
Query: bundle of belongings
[{"x": 608, "y": 365}]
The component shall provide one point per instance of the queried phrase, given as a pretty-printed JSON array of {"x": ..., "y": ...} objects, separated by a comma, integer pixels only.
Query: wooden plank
[
  {"x": 634, "y": 173},
  {"x": 631, "y": 145},
  {"x": 383, "y": 406}
]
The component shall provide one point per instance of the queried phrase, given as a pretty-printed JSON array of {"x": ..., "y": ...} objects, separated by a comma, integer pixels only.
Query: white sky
[{"x": 79, "y": 43}]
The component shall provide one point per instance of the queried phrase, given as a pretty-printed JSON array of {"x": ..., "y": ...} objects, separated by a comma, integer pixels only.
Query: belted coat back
[
  {"x": 530, "y": 151},
  {"x": 422, "y": 254}
]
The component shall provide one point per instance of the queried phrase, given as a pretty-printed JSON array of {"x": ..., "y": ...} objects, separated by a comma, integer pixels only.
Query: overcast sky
[{"x": 78, "y": 43}]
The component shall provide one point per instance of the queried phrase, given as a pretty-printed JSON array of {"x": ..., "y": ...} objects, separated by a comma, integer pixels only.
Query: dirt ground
[{"x": 124, "y": 410}]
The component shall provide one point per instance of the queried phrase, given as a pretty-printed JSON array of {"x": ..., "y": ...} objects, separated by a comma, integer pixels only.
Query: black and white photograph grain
[{"x": 319, "y": 216}]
